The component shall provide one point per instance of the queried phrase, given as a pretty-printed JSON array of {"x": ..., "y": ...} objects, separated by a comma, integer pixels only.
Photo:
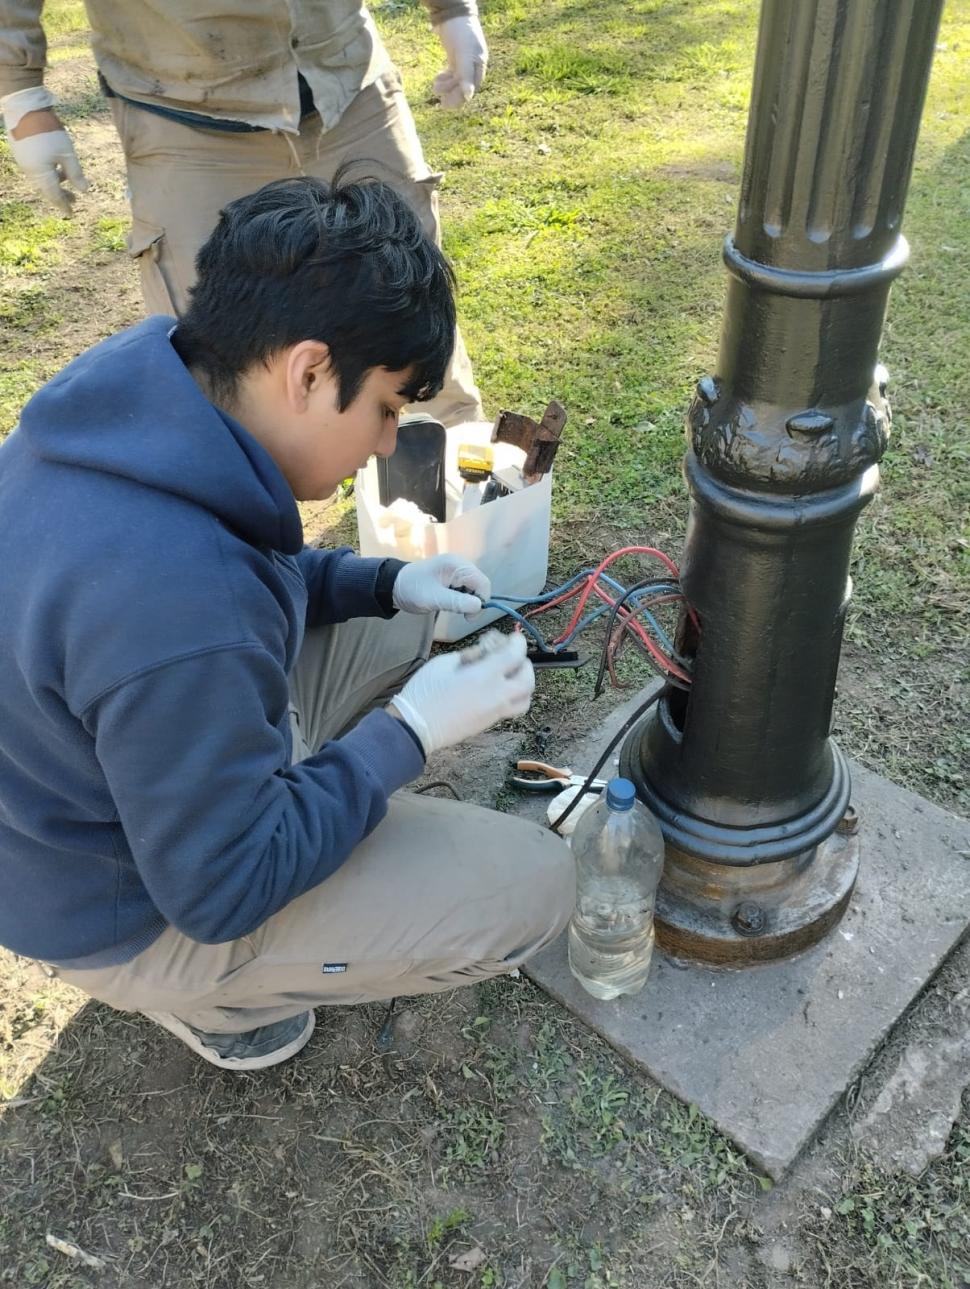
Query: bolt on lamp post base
[
  {"x": 732, "y": 916},
  {"x": 736, "y": 895}
]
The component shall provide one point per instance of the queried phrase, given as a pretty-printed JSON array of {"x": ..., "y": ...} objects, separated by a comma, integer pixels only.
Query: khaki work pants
[
  {"x": 441, "y": 894},
  {"x": 180, "y": 178}
]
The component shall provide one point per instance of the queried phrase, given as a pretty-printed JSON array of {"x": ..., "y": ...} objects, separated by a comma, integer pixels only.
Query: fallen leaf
[{"x": 470, "y": 1260}]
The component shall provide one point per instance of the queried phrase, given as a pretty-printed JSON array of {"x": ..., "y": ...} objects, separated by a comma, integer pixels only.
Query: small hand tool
[
  {"x": 475, "y": 463},
  {"x": 552, "y": 778}
]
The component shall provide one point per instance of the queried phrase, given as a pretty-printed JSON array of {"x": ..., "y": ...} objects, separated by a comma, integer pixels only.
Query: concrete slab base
[
  {"x": 910, "y": 1122},
  {"x": 767, "y": 1051}
]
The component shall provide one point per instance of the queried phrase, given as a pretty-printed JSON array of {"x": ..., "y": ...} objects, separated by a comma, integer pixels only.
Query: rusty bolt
[
  {"x": 749, "y": 918},
  {"x": 848, "y": 825}
]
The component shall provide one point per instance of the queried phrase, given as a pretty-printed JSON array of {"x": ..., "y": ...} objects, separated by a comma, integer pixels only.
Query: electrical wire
[
  {"x": 665, "y": 657},
  {"x": 621, "y": 636},
  {"x": 605, "y": 563},
  {"x": 643, "y": 586},
  {"x": 626, "y": 606},
  {"x": 503, "y": 603},
  {"x": 438, "y": 783},
  {"x": 625, "y": 728}
]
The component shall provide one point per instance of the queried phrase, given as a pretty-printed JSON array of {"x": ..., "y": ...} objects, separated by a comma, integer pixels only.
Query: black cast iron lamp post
[{"x": 784, "y": 442}]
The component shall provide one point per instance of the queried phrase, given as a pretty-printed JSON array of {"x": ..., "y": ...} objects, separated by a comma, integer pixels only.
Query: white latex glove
[
  {"x": 458, "y": 695},
  {"x": 426, "y": 586},
  {"x": 464, "y": 43},
  {"x": 48, "y": 160}
]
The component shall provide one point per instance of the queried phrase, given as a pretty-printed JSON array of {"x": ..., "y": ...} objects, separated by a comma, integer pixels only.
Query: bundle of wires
[{"x": 628, "y": 609}]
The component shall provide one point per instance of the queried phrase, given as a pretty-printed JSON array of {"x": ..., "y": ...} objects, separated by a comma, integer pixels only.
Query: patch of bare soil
[{"x": 94, "y": 295}]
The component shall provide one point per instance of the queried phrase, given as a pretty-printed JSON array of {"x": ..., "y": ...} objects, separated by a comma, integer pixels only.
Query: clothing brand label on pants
[{"x": 333, "y": 968}]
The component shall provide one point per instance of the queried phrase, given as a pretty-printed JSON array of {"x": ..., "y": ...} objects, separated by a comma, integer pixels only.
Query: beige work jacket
[{"x": 237, "y": 61}]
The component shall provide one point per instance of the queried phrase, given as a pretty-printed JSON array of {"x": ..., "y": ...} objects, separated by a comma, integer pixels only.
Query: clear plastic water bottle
[{"x": 619, "y": 852}]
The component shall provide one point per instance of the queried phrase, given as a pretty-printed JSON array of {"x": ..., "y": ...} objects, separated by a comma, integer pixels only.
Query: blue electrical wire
[
  {"x": 560, "y": 590},
  {"x": 524, "y": 623},
  {"x": 660, "y": 590}
]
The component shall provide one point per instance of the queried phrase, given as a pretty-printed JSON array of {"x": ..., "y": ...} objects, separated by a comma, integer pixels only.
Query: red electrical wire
[
  {"x": 631, "y": 622},
  {"x": 628, "y": 621},
  {"x": 560, "y": 599},
  {"x": 628, "y": 618},
  {"x": 604, "y": 564}
]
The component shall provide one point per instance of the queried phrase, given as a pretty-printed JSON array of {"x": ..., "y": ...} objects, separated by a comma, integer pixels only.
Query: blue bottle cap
[{"x": 620, "y": 794}]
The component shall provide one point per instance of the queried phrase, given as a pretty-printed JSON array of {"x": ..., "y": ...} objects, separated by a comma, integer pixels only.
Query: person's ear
[{"x": 307, "y": 370}]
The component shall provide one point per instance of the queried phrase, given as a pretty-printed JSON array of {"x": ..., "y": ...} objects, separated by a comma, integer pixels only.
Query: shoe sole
[{"x": 191, "y": 1039}]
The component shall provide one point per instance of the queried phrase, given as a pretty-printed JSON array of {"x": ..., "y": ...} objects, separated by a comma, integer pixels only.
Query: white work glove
[
  {"x": 427, "y": 586},
  {"x": 48, "y": 160},
  {"x": 458, "y": 695},
  {"x": 464, "y": 43}
]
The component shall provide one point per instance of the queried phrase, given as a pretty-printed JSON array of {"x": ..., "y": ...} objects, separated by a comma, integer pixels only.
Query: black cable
[
  {"x": 385, "y": 1037},
  {"x": 438, "y": 783},
  {"x": 624, "y": 729},
  {"x": 611, "y": 623}
]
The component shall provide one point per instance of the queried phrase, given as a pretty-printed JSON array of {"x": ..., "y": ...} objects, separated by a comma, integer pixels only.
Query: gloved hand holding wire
[
  {"x": 464, "y": 43},
  {"x": 46, "y": 156},
  {"x": 430, "y": 586},
  {"x": 458, "y": 695}
]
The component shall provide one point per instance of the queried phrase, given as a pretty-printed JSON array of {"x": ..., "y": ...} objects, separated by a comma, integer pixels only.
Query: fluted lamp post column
[{"x": 784, "y": 441}]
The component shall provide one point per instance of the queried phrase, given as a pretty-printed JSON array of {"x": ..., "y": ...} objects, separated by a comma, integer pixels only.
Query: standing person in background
[{"x": 211, "y": 107}]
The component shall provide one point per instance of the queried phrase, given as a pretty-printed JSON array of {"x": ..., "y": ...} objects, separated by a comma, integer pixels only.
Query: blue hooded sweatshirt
[{"x": 154, "y": 590}]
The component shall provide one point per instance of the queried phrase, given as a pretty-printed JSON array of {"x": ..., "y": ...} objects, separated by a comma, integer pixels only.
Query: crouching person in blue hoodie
[{"x": 204, "y": 725}]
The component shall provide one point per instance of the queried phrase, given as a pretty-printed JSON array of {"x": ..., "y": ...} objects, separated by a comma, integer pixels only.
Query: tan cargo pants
[
  {"x": 441, "y": 894},
  {"x": 180, "y": 177}
]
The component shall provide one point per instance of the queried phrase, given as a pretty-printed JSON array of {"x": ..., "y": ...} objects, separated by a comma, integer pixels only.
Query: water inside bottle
[{"x": 611, "y": 937}]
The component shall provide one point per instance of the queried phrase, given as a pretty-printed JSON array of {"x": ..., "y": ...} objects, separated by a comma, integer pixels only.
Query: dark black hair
[{"x": 347, "y": 264}]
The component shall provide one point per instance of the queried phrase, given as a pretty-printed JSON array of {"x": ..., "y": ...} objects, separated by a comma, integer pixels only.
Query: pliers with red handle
[{"x": 551, "y": 778}]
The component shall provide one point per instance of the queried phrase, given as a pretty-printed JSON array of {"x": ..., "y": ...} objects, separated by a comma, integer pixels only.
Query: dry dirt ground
[{"x": 485, "y": 1139}]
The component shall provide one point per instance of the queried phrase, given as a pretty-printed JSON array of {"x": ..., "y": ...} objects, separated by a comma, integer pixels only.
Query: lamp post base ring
[
  {"x": 706, "y": 912},
  {"x": 739, "y": 847}
]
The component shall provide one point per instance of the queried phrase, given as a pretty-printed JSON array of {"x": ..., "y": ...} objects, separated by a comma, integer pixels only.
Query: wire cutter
[{"x": 551, "y": 778}]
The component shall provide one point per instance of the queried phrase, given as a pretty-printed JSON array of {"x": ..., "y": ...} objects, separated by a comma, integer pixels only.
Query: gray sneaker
[{"x": 254, "y": 1050}]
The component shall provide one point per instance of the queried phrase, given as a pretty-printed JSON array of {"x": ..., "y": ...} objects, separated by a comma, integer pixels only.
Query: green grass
[
  {"x": 111, "y": 233},
  {"x": 29, "y": 238},
  {"x": 64, "y": 18},
  {"x": 906, "y": 1231},
  {"x": 17, "y": 384}
]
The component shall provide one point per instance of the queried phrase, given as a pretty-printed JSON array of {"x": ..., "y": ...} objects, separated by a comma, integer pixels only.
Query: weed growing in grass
[
  {"x": 442, "y": 1226},
  {"x": 905, "y": 1231},
  {"x": 691, "y": 1141},
  {"x": 111, "y": 233},
  {"x": 25, "y": 306},
  {"x": 23, "y": 1019},
  {"x": 474, "y": 1135},
  {"x": 28, "y": 238}
]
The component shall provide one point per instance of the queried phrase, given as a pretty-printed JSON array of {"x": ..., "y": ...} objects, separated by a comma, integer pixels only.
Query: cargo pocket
[
  {"x": 146, "y": 246},
  {"x": 424, "y": 199}
]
